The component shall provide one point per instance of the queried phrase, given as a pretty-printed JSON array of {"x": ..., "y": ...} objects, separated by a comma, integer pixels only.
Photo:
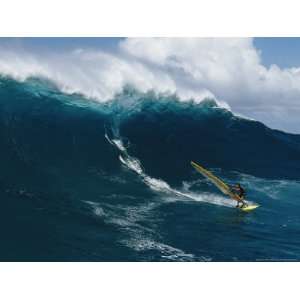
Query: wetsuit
[{"x": 241, "y": 192}]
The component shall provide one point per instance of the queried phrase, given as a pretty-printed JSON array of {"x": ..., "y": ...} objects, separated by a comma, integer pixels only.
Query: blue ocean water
[{"x": 88, "y": 181}]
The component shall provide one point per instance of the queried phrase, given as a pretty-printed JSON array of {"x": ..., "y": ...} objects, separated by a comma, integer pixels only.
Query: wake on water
[{"x": 159, "y": 185}]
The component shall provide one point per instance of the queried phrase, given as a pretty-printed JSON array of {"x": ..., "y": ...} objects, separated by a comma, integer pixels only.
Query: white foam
[
  {"x": 166, "y": 251},
  {"x": 273, "y": 188},
  {"x": 132, "y": 164},
  {"x": 119, "y": 144},
  {"x": 160, "y": 185},
  {"x": 139, "y": 237},
  {"x": 228, "y": 70},
  {"x": 98, "y": 211}
]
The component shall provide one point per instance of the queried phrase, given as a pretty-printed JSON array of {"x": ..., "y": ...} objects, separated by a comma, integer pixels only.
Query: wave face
[{"x": 82, "y": 180}]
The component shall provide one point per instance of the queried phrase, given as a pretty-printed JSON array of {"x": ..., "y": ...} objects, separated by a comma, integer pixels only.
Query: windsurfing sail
[{"x": 222, "y": 186}]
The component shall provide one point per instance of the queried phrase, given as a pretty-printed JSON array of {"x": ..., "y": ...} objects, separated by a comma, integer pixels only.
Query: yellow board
[{"x": 249, "y": 207}]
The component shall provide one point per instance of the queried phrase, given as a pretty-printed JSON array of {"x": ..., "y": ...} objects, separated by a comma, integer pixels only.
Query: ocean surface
[{"x": 82, "y": 180}]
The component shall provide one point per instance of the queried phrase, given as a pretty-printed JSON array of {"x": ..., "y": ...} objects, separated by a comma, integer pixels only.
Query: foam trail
[
  {"x": 159, "y": 185},
  {"x": 140, "y": 238}
]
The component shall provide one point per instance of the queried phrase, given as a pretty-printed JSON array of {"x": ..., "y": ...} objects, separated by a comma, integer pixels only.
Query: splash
[{"x": 159, "y": 185}]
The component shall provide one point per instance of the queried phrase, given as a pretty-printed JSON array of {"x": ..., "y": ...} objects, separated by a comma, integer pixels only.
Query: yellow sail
[{"x": 215, "y": 180}]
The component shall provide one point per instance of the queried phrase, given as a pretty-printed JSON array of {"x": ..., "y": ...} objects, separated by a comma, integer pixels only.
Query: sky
[
  {"x": 284, "y": 52},
  {"x": 257, "y": 78}
]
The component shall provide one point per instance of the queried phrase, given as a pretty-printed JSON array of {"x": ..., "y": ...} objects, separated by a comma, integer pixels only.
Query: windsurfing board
[{"x": 249, "y": 207}]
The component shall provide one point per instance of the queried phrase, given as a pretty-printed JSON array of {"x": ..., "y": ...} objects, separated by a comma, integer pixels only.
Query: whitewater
[{"x": 228, "y": 70}]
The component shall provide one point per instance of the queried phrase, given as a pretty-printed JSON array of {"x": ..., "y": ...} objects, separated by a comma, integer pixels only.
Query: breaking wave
[{"x": 127, "y": 161}]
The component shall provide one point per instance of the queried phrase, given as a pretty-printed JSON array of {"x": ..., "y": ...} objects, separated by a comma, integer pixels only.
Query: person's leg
[
  {"x": 236, "y": 197},
  {"x": 244, "y": 203}
]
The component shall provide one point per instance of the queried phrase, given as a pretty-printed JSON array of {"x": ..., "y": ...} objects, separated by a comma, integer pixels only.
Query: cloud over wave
[{"x": 227, "y": 69}]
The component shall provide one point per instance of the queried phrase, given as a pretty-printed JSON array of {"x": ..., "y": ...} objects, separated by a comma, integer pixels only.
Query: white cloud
[{"x": 228, "y": 69}]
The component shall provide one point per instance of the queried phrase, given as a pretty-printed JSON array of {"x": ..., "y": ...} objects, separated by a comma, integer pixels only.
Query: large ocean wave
[
  {"x": 45, "y": 128},
  {"x": 111, "y": 156}
]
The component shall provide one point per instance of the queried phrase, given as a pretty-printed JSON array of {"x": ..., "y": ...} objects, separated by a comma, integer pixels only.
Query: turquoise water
[{"x": 83, "y": 181}]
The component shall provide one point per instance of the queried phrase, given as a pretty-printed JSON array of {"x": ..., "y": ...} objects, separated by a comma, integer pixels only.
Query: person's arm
[{"x": 233, "y": 188}]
